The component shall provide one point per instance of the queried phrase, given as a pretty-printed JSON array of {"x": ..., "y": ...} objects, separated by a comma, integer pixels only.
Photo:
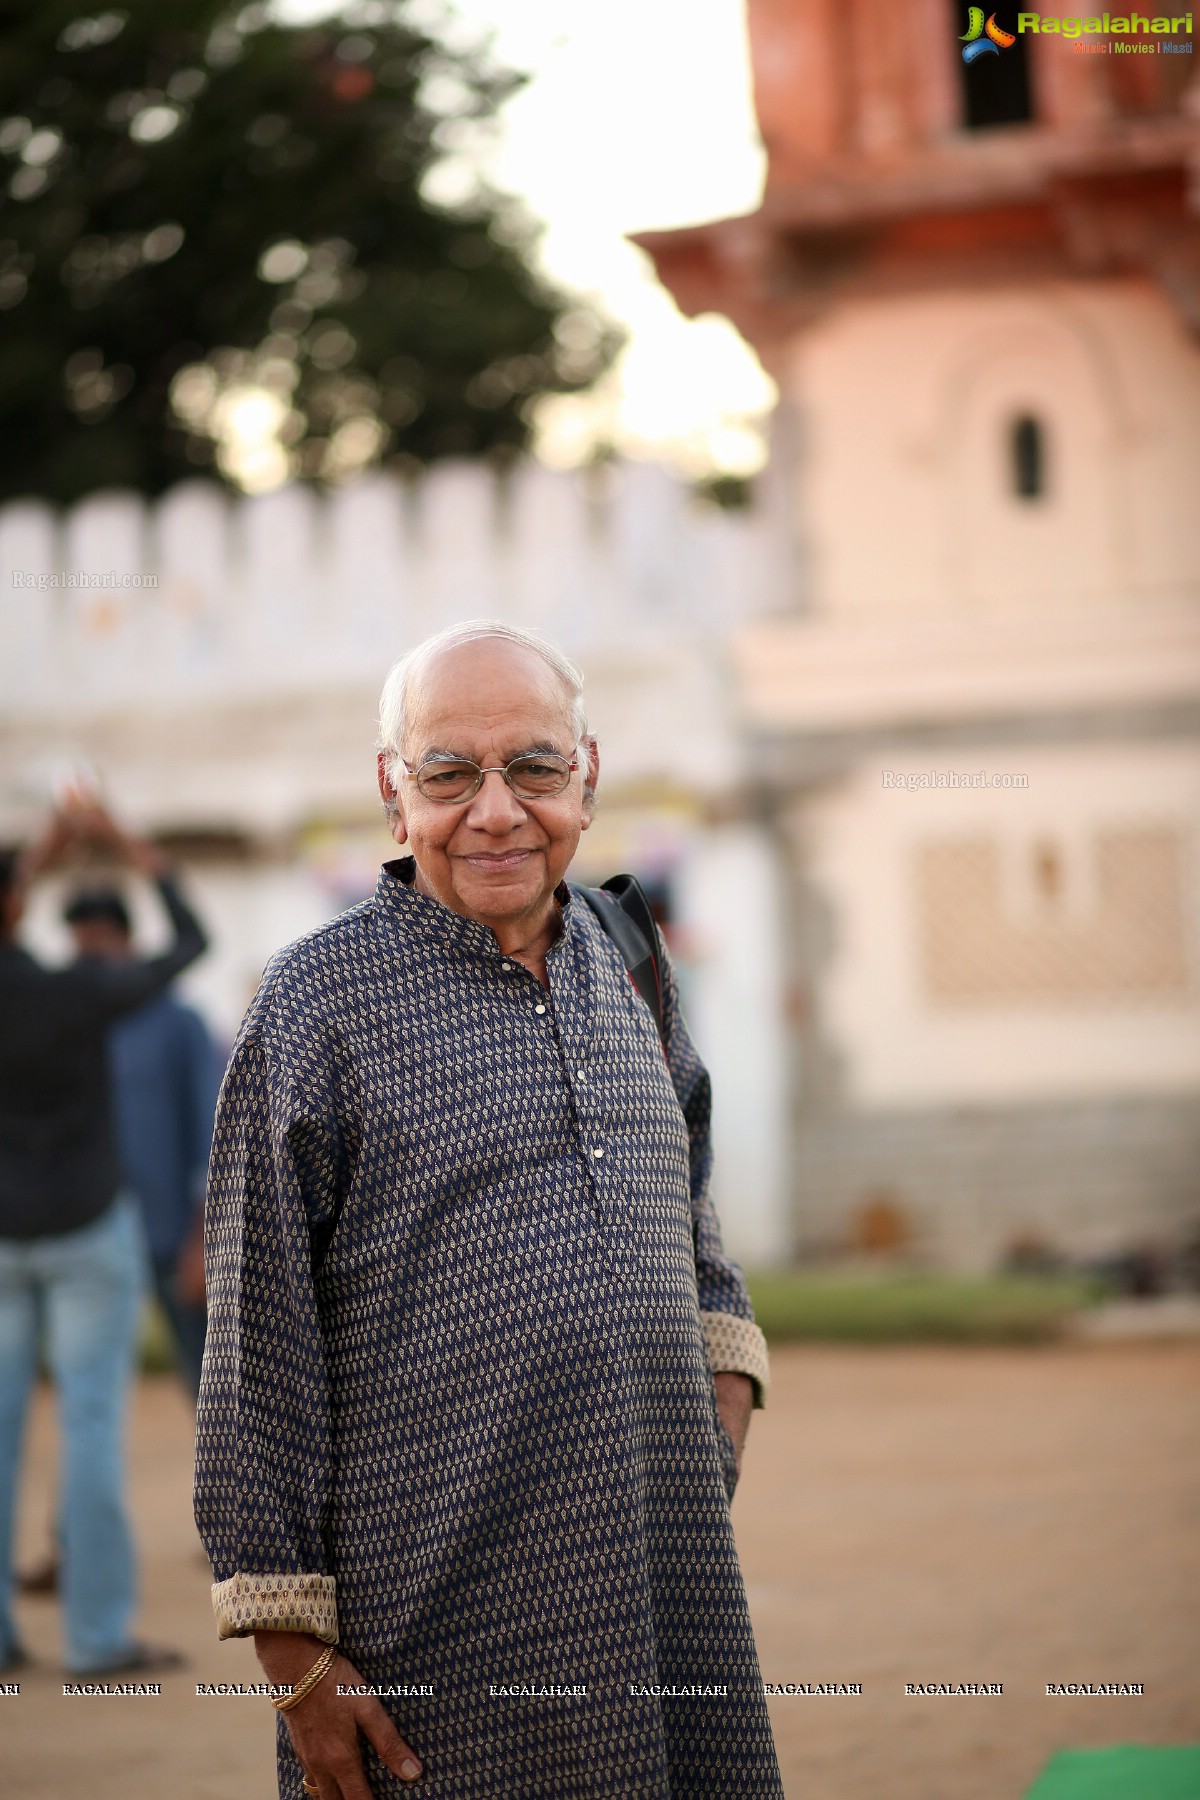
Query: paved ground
[{"x": 908, "y": 1515}]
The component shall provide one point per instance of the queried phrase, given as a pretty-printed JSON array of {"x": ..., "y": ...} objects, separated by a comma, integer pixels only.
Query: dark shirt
[
  {"x": 165, "y": 1075},
  {"x": 59, "y": 1167}
]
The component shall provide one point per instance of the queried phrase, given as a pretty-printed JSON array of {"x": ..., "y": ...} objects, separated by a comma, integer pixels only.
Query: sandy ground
[{"x": 906, "y": 1515}]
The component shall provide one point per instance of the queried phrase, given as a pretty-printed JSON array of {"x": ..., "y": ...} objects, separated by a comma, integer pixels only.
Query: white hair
[{"x": 394, "y": 702}]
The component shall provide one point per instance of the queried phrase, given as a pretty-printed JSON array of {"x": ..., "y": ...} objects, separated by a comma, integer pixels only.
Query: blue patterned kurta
[{"x": 479, "y": 1442}]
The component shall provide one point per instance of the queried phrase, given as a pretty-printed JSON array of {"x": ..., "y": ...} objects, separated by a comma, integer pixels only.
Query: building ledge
[
  {"x": 995, "y": 206},
  {"x": 822, "y": 676}
]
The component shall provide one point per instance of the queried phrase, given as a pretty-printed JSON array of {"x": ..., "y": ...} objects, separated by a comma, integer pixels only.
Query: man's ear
[
  {"x": 590, "y": 777},
  {"x": 390, "y": 797}
]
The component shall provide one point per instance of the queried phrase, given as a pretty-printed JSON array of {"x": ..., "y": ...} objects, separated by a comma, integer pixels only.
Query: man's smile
[{"x": 495, "y": 861}]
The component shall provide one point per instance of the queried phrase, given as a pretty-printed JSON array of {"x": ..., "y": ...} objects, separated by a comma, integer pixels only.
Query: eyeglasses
[{"x": 537, "y": 775}]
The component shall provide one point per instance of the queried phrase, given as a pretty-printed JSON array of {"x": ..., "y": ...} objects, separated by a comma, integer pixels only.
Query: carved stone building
[{"x": 977, "y": 729}]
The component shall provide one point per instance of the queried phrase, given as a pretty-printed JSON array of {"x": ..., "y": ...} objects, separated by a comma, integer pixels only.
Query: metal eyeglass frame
[{"x": 570, "y": 764}]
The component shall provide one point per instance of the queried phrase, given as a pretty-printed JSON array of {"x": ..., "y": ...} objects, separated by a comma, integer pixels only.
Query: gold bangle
[{"x": 307, "y": 1683}]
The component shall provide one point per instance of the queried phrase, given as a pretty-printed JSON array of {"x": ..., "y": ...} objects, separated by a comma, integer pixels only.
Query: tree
[{"x": 206, "y": 208}]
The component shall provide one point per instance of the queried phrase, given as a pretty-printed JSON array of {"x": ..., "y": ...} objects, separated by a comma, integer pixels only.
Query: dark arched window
[{"x": 1027, "y": 453}]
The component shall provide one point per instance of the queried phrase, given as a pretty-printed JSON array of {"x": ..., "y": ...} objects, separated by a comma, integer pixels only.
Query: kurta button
[
  {"x": 507, "y": 967},
  {"x": 539, "y": 1009},
  {"x": 597, "y": 1153}
]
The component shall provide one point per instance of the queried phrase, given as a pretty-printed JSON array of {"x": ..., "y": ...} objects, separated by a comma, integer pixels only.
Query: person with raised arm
[{"x": 72, "y": 1255}]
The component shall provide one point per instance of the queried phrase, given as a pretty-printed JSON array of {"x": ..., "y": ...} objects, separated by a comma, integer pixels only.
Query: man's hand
[
  {"x": 93, "y": 824},
  {"x": 735, "y": 1402},
  {"x": 188, "y": 1275},
  {"x": 325, "y": 1725},
  {"x": 55, "y": 839}
]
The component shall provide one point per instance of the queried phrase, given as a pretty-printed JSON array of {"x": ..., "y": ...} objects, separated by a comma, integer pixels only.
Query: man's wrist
[
  {"x": 287, "y": 1656},
  {"x": 735, "y": 1402},
  {"x": 146, "y": 859}
]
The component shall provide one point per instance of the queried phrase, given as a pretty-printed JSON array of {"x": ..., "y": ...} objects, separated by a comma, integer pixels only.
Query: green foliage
[
  {"x": 199, "y": 198},
  {"x": 918, "y": 1308},
  {"x": 732, "y": 493}
]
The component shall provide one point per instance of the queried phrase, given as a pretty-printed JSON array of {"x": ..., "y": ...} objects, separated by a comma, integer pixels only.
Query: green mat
[{"x": 1126, "y": 1772}]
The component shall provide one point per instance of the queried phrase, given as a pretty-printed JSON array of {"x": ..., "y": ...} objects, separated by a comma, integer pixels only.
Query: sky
[{"x": 637, "y": 115}]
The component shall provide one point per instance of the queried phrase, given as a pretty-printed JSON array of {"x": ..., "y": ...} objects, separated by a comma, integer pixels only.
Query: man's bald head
[
  {"x": 494, "y": 847},
  {"x": 401, "y": 697}
]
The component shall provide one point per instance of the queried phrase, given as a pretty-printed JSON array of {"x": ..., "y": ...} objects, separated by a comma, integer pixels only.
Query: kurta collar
[{"x": 438, "y": 924}]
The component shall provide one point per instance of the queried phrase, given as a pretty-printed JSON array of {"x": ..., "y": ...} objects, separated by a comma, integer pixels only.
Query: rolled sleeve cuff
[
  {"x": 737, "y": 1347},
  {"x": 246, "y": 1603}
]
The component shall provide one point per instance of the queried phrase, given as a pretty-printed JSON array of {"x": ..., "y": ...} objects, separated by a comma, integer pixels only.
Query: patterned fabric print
[
  {"x": 489, "y": 1414},
  {"x": 737, "y": 1345},
  {"x": 247, "y": 1603}
]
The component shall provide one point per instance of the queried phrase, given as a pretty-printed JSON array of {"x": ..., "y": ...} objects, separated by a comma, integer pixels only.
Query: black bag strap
[{"x": 624, "y": 912}]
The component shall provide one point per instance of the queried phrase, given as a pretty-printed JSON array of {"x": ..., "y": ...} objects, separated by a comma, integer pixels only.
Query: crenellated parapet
[{"x": 178, "y": 642}]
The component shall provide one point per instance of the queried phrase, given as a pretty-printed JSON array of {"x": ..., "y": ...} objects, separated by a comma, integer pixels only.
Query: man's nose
[{"x": 495, "y": 807}]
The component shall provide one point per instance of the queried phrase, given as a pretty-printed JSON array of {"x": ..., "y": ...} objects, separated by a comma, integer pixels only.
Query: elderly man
[{"x": 478, "y": 1369}]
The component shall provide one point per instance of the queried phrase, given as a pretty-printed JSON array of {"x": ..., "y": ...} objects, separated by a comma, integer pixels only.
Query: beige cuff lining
[
  {"x": 736, "y": 1346},
  {"x": 247, "y": 1603}
]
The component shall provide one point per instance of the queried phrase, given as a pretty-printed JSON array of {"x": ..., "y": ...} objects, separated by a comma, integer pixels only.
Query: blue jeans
[{"x": 84, "y": 1291}]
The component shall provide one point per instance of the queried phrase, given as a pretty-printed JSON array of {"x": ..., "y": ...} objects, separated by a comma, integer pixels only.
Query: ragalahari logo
[{"x": 982, "y": 39}]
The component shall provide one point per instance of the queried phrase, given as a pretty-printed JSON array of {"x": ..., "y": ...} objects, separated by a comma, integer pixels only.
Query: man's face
[
  {"x": 102, "y": 938},
  {"x": 495, "y": 858}
]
